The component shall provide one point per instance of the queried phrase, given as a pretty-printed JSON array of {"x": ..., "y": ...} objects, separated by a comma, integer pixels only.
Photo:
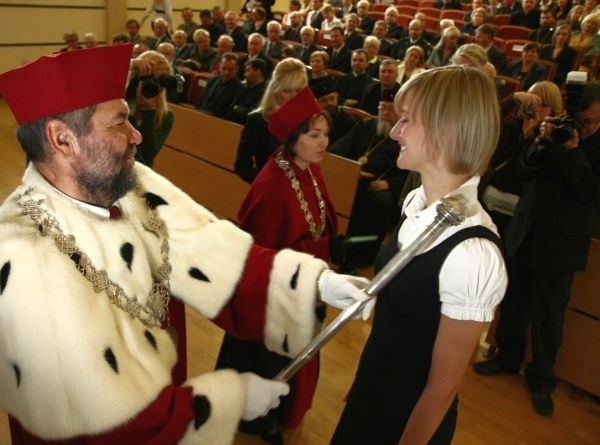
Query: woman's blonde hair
[
  {"x": 550, "y": 95},
  {"x": 161, "y": 66},
  {"x": 474, "y": 54},
  {"x": 289, "y": 74},
  {"x": 417, "y": 49},
  {"x": 460, "y": 114},
  {"x": 449, "y": 32}
]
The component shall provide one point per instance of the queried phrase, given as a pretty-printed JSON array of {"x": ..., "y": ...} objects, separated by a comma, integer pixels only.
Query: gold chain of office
[
  {"x": 154, "y": 312},
  {"x": 316, "y": 232}
]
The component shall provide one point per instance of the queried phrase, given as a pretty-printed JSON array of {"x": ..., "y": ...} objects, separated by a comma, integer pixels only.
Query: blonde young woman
[
  {"x": 446, "y": 47},
  {"x": 256, "y": 142},
  {"x": 429, "y": 318},
  {"x": 152, "y": 117}
]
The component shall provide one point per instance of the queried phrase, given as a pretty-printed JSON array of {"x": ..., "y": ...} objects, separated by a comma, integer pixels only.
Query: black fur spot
[
  {"x": 150, "y": 339},
  {"x": 294, "y": 280},
  {"x": 202, "y": 410},
  {"x": 285, "y": 345},
  {"x": 4, "y": 273},
  {"x": 154, "y": 201},
  {"x": 75, "y": 257},
  {"x": 198, "y": 274},
  {"x": 320, "y": 311},
  {"x": 17, "y": 371},
  {"x": 111, "y": 359},
  {"x": 127, "y": 254}
]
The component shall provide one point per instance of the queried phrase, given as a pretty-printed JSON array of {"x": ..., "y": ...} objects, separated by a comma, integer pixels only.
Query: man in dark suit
[
  {"x": 339, "y": 54},
  {"x": 385, "y": 89},
  {"x": 341, "y": 121},
  {"x": 307, "y": 38},
  {"x": 236, "y": 32},
  {"x": 484, "y": 37},
  {"x": 222, "y": 89},
  {"x": 273, "y": 43},
  {"x": 509, "y": 6},
  {"x": 394, "y": 30},
  {"x": 352, "y": 38},
  {"x": 292, "y": 32},
  {"x": 528, "y": 16},
  {"x": 181, "y": 49},
  {"x": 366, "y": 21},
  {"x": 255, "y": 74},
  {"x": 380, "y": 31},
  {"x": 256, "y": 44},
  {"x": 415, "y": 37},
  {"x": 543, "y": 34},
  {"x": 213, "y": 28},
  {"x": 351, "y": 86},
  {"x": 314, "y": 17},
  {"x": 551, "y": 231}
]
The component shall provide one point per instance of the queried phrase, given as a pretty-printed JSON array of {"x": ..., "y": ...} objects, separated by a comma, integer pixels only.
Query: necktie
[{"x": 115, "y": 212}]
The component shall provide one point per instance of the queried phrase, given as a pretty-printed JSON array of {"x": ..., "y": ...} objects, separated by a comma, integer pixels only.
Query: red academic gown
[{"x": 271, "y": 213}]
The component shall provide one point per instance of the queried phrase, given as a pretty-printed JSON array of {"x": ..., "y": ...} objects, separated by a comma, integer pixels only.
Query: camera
[
  {"x": 574, "y": 86},
  {"x": 151, "y": 85},
  {"x": 563, "y": 129}
]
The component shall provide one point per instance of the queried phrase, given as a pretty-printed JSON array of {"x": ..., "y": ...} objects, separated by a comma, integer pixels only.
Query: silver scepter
[{"x": 450, "y": 212}]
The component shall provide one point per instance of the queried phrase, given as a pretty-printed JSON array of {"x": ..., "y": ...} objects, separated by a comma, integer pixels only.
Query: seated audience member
[
  {"x": 288, "y": 51},
  {"x": 375, "y": 204},
  {"x": 561, "y": 11},
  {"x": 273, "y": 44},
  {"x": 224, "y": 45},
  {"x": 339, "y": 54},
  {"x": 478, "y": 18},
  {"x": 528, "y": 16},
  {"x": 560, "y": 53},
  {"x": 586, "y": 39},
  {"x": 159, "y": 28},
  {"x": 509, "y": 7},
  {"x": 133, "y": 31},
  {"x": 188, "y": 26},
  {"x": 236, "y": 32},
  {"x": 159, "y": 9},
  {"x": 394, "y": 30},
  {"x": 348, "y": 7},
  {"x": 527, "y": 69},
  {"x": 318, "y": 75},
  {"x": 138, "y": 49},
  {"x": 150, "y": 115},
  {"x": 442, "y": 53},
  {"x": 201, "y": 57},
  {"x": 218, "y": 16},
  {"x": 294, "y": 6},
  {"x": 256, "y": 44},
  {"x": 353, "y": 38},
  {"x": 351, "y": 86},
  {"x": 181, "y": 49},
  {"x": 384, "y": 89},
  {"x": 255, "y": 75},
  {"x": 366, "y": 21},
  {"x": 472, "y": 7},
  {"x": 256, "y": 142},
  {"x": 413, "y": 63},
  {"x": 120, "y": 39},
  {"x": 258, "y": 22},
  {"x": 385, "y": 44},
  {"x": 314, "y": 16},
  {"x": 484, "y": 37},
  {"x": 543, "y": 34},
  {"x": 329, "y": 18},
  {"x": 430, "y": 36},
  {"x": 307, "y": 38},
  {"x": 415, "y": 37},
  {"x": 222, "y": 89},
  {"x": 168, "y": 50},
  {"x": 207, "y": 22},
  {"x": 341, "y": 121},
  {"x": 575, "y": 17},
  {"x": 249, "y": 6},
  {"x": 71, "y": 39},
  {"x": 371, "y": 46},
  {"x": 90, "y": 40},
  {"x": 448, "y": 4},
  {"x": 292, "y": 32},
  {"x": 474, "y": 55}
]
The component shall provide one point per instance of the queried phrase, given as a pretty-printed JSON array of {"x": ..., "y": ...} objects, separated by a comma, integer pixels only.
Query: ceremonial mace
[{"x": 450, "y": 212}]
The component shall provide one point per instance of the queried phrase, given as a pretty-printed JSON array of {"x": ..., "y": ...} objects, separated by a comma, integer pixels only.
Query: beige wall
[{"x": 28, "y": 32}]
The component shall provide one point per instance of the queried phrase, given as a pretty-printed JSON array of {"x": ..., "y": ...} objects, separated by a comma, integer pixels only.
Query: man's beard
[
  {"x": 100, "y": 173},
  {"x": 384, "y": 128}
]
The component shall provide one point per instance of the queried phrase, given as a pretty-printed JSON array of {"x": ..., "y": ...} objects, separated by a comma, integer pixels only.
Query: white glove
[
  {"x": 341, "y": 291},
  {"x": 262, "y": 395}
]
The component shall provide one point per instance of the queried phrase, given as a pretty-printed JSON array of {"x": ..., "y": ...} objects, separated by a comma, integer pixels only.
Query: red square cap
[
  {"x": 292, "y": 113},
  {"x": 66, "y": 81}
]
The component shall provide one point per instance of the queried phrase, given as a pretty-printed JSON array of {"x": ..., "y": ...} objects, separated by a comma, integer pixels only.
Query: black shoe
[
  {"x": 274, "y": 438},
  {"x": 543, "y": 404},
  {"x": 493, "y": 367}
]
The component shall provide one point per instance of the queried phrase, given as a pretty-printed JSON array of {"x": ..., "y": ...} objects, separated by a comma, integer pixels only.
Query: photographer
[
  {"x": 150, "y": 113},
  {"x": 552, "y": 229}
]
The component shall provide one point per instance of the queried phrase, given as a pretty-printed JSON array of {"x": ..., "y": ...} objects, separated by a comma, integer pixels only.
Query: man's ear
[{"x": 60, "y": 137}]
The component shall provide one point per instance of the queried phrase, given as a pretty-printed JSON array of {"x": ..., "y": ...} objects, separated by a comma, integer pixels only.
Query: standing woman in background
[
  {"x": 429, "y": 318},
  {"x": 287, "y": 206},
  {"x": 152, "y": 117},
  {"x": 256, "y": 142},
  {"x": 159, "y": 8}
]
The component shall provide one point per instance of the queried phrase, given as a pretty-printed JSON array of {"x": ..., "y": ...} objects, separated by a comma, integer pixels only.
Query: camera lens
[{"x": 150, "y": 86}]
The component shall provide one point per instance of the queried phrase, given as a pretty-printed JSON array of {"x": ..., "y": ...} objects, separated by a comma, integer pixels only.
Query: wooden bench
[{"x": 199, "y": 157}]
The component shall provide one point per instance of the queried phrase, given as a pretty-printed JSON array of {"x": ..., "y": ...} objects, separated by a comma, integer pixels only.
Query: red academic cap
[
  {"x": 66, "y": 81},
  {"x": 292, "y": 113}
]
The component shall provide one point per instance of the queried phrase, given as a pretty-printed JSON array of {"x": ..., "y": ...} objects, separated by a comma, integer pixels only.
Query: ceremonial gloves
[
  {"x": 341, "y": 291},
  {"x": 262, "y": 395}
]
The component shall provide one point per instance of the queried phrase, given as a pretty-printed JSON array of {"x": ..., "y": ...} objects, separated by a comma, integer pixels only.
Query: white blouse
[{"x": 473, "y": 278}]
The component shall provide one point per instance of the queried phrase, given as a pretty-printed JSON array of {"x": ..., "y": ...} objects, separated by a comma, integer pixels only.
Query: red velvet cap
[
  {"x": 66, "y": 81},
  {"x": 292, "y": 113}
]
